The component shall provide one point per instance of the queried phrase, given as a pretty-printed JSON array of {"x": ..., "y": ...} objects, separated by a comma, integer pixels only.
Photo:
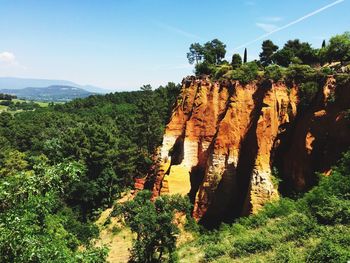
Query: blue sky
[{"x": 123, "y": 44}]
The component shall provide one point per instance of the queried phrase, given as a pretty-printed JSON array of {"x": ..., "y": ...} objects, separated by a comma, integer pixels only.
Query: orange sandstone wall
[{"x": 226, "y": 137}]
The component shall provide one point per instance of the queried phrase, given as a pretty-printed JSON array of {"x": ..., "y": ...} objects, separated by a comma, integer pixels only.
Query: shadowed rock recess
[{"x": 224, "y": 138}]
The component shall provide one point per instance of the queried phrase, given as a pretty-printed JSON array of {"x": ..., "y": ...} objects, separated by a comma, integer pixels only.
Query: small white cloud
[
  {"x": 8, "y": 58},
  {"x": 267, "y": 27}
]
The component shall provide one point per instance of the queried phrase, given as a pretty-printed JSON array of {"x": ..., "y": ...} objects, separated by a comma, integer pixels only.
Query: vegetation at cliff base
[
  {"x": 313, "y": 228},
  {"x": 153, "y": 224}
]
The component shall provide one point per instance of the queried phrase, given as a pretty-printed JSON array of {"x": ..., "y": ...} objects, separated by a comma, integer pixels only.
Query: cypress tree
[
  {"x": 323, "y": 43},
  {"x": 245, "y": 56}
]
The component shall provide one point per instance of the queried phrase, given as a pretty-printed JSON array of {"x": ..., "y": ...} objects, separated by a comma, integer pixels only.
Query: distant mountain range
[
  {"x": 21, "y": 83},
  {"x": 51, "y": 93},
  {"x": 47, "y": 89}
]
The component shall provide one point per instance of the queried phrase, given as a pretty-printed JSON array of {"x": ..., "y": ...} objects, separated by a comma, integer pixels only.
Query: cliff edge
[{"x": 224, "y": 139}]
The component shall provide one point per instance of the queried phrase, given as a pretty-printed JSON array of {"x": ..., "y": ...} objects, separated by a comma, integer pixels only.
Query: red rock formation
[
  {"x": 319, "y": 136},
  {"x": 225, "y": 137}
]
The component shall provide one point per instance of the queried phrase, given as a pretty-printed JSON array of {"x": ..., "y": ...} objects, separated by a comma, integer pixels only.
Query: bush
[
  {"x": 274, "y": 72},
  {"x": 246, "y": 73},
  {"x": 297, "y": 226},
  {"x": 300, "y": 73},
  {"x": 251, "y": 245},
  {"x": 327, "y": 71},
  {"x": 307, "y": 93},
  {"x": 204, "y": 68},
  {"x": 286, "y": 254},
  {"x": 221, "y": 70},
  {"x": 254, "y": 221},
  {"x": 331, "y": 210},
  {"x": 342, "y": 80},
  {"x": 283, "y": 207},
  {"x": 213, "y": 251},
  {"x": 328, "y": 252}
]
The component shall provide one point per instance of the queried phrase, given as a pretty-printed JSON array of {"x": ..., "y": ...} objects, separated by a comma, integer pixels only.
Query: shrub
[
  {"x": 327, "y": 71},
  {"x": 203, "y": 68},
  {"x": 297, "y": 226},
  {"x": 254, "y": 221},
  {"x": 307, "y": 93},
  {"x": 246, "y": 73},
  {"x": 278, "y": 209},
  {"x": 342, "y": 80},
  {"x": 213, "y": 251},
  {"x": 328, "y": 252},
  {"x": 251, "y": 245},
  {"x": 274, "y": 72},
  {"x": 221, "y": 70},
  {"x": 286, "y": 254},
  {"x": 300, "y": 73}
]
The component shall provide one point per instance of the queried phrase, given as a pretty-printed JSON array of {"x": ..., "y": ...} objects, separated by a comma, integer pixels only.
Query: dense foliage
[
  {"x": 208, "y": 58},
  {"x": 4, "y": 96},
  {"x": 153, "y": 224},
  {"x": 60, "y": 165},
  {"x": 313, "y": 228}
]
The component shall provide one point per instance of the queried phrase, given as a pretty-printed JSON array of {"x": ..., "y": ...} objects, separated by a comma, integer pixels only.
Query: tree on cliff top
[
  {"x": 245, "y": 57},
  {"x": 296, "y": 52},
  {"x": 195, "y": 54},
  {"x": 214, "y": 51},
  {"x": 236, "y": 61},
  {"x": 268, "y": 49},
  {"x": 206, "y": 56},
  {"x": 338, "y": 48}
]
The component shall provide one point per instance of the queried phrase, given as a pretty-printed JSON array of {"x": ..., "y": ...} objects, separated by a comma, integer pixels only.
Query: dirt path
[{"x": 115, "y": 236}]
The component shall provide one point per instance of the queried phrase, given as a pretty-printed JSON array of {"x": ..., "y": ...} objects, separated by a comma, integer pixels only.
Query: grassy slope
[
  {"x": 5, "y": 108},
  {"x": 314, "y": 228}
]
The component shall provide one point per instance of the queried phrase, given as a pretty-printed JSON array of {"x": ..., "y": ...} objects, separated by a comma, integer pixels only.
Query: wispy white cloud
[
  {"x": 267, "y": 27},
  {"x": 290, "y": 24},
  {"x": 177, "y": 30},
  {"x": 8, "y": 58}
]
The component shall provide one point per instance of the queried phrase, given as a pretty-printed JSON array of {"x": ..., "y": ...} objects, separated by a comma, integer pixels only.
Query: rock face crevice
[{"x": 224, "y": 138}]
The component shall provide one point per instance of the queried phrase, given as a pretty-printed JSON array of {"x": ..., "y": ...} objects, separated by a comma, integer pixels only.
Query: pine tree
[
  {"x": 268, "y": 49},
  {"x": 245, "y": 56}
]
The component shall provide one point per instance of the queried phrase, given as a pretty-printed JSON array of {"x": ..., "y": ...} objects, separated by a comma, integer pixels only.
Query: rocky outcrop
[
  {"x": 317, "y": 138},
  {"x": 223, "y": 139}
]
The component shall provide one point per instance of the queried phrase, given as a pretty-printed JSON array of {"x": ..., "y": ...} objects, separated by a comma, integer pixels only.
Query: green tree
[
  {"x": 296, "y": 52},
  {"x": 196, "y": 53},
  {"x": 245, "y": 57},
  {"x": 338, "y": 48},
  {"x": 268, "y": 49},
  {"x": 236, "y": 61},
  {"x": 283, "y": 57},
  {"x": 14, "y": 162},
  {"x": 204, "y": 68},
  {"x": 214, "y": 51},
  {"x": 153, "y": 224}
]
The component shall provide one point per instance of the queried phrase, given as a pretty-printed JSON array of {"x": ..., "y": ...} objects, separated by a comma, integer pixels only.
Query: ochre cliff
[{"x": 224, "y": 138}]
